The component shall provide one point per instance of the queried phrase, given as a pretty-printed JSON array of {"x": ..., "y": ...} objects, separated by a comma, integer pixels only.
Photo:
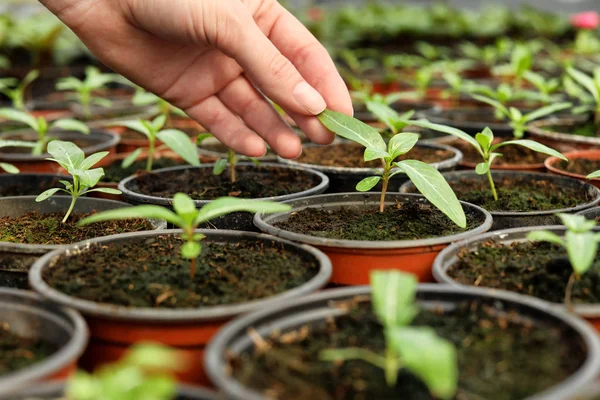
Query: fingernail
[
  {"x": 299, "y": 154},
  {"x": 309, "y": 98}
]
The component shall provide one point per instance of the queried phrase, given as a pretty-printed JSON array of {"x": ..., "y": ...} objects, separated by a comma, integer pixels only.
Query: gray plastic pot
[
  {"x": 29, "y": 315},
  {"x": 343, "y": 179},
  {"x": 353, "y": 260},
  {"x": 515, "y": 219},
  {"x": 56, "y": 390},
  {"x": 590, "y": 213},
  {"x": 562, "y": 141},
  {"x": 28, "y": 184},
  {"x": 16, "y": 258},
  {"x": 114, "y": 328},
  {"x": 449, "y": 257},
  {"x": 237, "y": 221},
  {"x": 316, "y": 309}
]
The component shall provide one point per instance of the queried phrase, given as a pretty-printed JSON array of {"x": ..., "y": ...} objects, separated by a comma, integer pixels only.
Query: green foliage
[
  {"x": 9, "y": 168},
  {"x": 591, "y": 84},
  {"x": 69, "y": 156},
  {"x": 230, "y": 161},
  {"x": 143, "y": 98},
  {"x": 545, "y": 87},
  {"x": 417, "y": 349},
  {"x": 394, "y": 121},
  {"x": 15, "y": 89}
]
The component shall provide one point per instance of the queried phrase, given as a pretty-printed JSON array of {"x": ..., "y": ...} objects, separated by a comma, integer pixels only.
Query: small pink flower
[{"x": 586, "y": 20}]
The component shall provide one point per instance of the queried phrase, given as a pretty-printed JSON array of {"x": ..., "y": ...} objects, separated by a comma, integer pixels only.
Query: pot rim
[
  {"x": 264, "y": 223},
  {"x": 534, "y": 175},
  {"x": 214, "y": 363},
  {"x": 164, "y": 201},
  {"x": 63, "y": 357},
  {"x": 167, "y": 315},
  {"x": 576, "y": 155},
  {"x": 535, "y": 128}
]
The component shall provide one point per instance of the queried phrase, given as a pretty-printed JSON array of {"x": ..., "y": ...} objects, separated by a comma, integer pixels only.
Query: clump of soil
[
  {"x": 535, "y": 269},
  {"x": 403, "y": 221},
  {"x": 579, "y": 166},
  {"x": 17, "y": 352},
  {"x": 511, "y": 155},
  {"x": 47, "y": 229},
  {"x": 501, "y": 355},
  {"x": 351, "y": 155},
  {"x": 150, "y": 272},
  {"x": 202, "y": 184},
  {"x": 114, "y": 173}
]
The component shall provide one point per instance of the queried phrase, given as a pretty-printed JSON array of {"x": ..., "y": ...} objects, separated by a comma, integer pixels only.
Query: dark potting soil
[
  {"x": 150, "y": 272},
  {"x": 501, "y": 356},
  {"x": 114, "y": 173},
  {"x": 536, "y": 269},
  {"x": 17, "y": 352},
  {"x": 47, "y": 229},
  {"x": 27, "y": 189},
  {"x": 511, "y": 155},
  {"x": 351, "y": 155},
  {"x": 587, "y": 129},
  {"x": 579, "y": 166},
  {"x": 202, "y": 184},
  {"x": 403, "y": 221}
]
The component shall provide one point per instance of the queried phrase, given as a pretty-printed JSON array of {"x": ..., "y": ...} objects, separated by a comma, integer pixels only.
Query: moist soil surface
[
  {"x": 27, "y": 189},
  {"x": 47, "y": 229},
  {"x": 114, "y": 173},
  {"x": 351, "y": 155},
  {"x": 501, "y": 355},
  {"x": 403, "y": 221},
  {"x": 511, "y": 155},
  {"x": 150, "y": 272},
  {"x": 535, "y": 269},
  {"x": 579, "y": 166},
  {"x": 587, "y": 129},
  {"x": 202, "y": 184},
  {"x": 18, "y": 352}
]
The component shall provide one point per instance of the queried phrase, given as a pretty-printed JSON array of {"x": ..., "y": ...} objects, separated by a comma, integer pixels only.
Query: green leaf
[
  {"x": 159, "y": 122},
  {"x": 143, "y": 98},
  {"x": 545, "y": 236},
  {"x": 542, "y": 112},
  {"x": 402, "y": 143},
  {"x": 533, "y": 145},
  {"x": 226, "y": 205},
  {"x": 384, "y": 114},
  {"x": 482, "y": 168},
  {"x": 181, "y": 144},
  {"x": 582, "y": 248},
  {"x": 485, "y": 138},
  {"x": 202, "y": 137},
  {"x": 593, "y": 175},
  {"x": 90, "y": 177},
  {"x": 219, "y": 166},
  {"x": 131, "y": 158},
  {"x": 184, "y": 206},
  {"x": 105, "y": 190},
  {"x": 372, "y": 154},
  {"x": 423, "y": 123},
  {"x": 9, "y": 168},
  {"x": 99, "y": 101},
  {"x": 515, "y": 114},
  {"x": 585, "y": 81},
  {"x": 368, "y": 183},
  {"x": 430, "y": 182},
  {"x": 67, "y": 153},
  {"x": 143, "y": 211},
  {"x": 577, "y": 223},
  {"x": 92, "y": 160},
  {"x": 393, "y": 297},
  {"x": 19, "y": 116},
  {"x": 496, "y": 104},
  {"x": 30, "y": 77},
  {"x": 191, "y": 250},
  {"x": 428, "y": 356},
  {"x": 47, "y": 194},
  {"x": 136, "y": 125},
  {"x": 68, "y": 83},
  {"x": 16, "y": 143},
  {"x": 352, "y": 129}
]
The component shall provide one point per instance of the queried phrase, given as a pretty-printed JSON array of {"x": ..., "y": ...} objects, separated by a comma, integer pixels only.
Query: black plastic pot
[
  {"x": 16, "y": 258},
  {"x": 361, "y": 112},
  {"x": 563, "y": 141},
  {"x": 236, "y": 221},
  {"x": 28, "y": 184},
  {"x": 515, "y": 219},
  {"x": 591, "y": 213},
  {"x": 316, "y": 309},
  {"x": 29, "y": 315},
  {"x": 343, "y": 180},
  {"x": 471, "y": 120}
]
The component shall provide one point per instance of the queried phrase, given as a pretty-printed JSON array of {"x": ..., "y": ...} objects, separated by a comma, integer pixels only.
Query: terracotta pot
[
  {"x": 551, "y": 163},
  {"x": 28, "y": 314},
  {"x": 353, "y": 260},
  {"x": 97, "y": 140},
  {"x": 114, "y": 328},
  {"x": 448, "y": 257},
  {"x": 564, "y": 142}
]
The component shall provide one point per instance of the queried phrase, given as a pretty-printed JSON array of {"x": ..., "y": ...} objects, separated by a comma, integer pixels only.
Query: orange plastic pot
[
  {"x": 353, "y": 260},
  {"x": 552, "y": 162},
  {"x": 114, "y": 328}
]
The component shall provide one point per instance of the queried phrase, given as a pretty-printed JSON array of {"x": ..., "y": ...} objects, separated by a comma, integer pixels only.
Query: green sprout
[
  {"x": 387, "y": 115},
  {"x": 174, "y": 139},
  {"x": 545, "y": 87},
  {"x": 188, "y": 218},
  {"x": 592, "y": 85},
  {"x": 230, "y": 161},
  {"x": 521, "y": 61},
  {"x": 9, "y": 168},
  {"x": 41, "y": 126},
  {"x": 38, "y": 34},
  {"x": 428, "y": 180},
  {"x": 580, "y": 242},
  {"x": 69, "y": 156},
  {"x": 419, "y": 350},
  {"x": 483, "y": 142},
  {"x": 486, "y": 55},
  {"x": 15, "y": 89},
  {"x": 143, "y": 98}
]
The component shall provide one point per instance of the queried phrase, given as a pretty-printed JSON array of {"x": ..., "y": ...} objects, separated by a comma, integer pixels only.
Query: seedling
[
  {"x": 188, "y": 218},
  {"x": 84, "y": 89},
  {"x": 521, "y": 61},
  {"x": 9, "y": 168},
  {"x": 69, "y": 156},
  {"x": 145, "y": 372},
  {"x": 420, "y": 350},
  {"x": 41, "y": 126},
  {"x": 387, "y": 115},
  {"x": 426, "y": 178},
  {"x": 37, "y": 34},
  {"x": 486, "y": 55},
  {"x": 422, "y": 80},
  {"x": 545, "y": 87},
  {"x": 15, "y": 89},
  {"x": 483, "y": 142},
  {"x": 230, "y": 161},
  {"x": 580, "y": 242},
  {"x": 518, "y": 120},
  {"x": 592, "y": 85},
  {"x": 143, "y": 98}
]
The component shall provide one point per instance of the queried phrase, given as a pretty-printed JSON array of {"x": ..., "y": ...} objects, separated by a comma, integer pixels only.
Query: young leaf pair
[
  {"x": 15, "y": 89},
  {"x": 72, "y": 159},
  {"x": 418, "y": 349},
  {"x": 230, "y": 161},
  {"x": 428, "y": 180}
]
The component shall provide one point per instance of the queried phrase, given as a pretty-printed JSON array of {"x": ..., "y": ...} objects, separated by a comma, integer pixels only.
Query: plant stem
[
  {"x": 233, "y": 177},
  {"x": 151, "y": 150},
  {"x": 386, "y": 180},
  {"x": 568, "y": 302},
  {"x": 73, "y": 200},
  {"x": 492, "y": 186},
  {"x": 391, "y": 367},
  {"x": 232, "y": 162},
  {"x": 85, "y": 98},
  {"x": 75, "y": 191}
]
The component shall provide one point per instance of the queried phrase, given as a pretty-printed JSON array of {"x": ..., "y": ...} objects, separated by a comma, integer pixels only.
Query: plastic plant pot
[
  {"x": 565, "y": 142},
  {"x": 552, "y": 163},
  {"x": 114, "y": 328},
  {"x": 28, "y": 184},
  {"x": 29, "y": 315},
  {"x": 590, "y": 213},
  {"x": 353, "y": 260}
]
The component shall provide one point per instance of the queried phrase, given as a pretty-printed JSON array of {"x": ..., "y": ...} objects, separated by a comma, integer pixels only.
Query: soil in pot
[
  {"x": 17, "y": 352},
  {"x": 536, "y": 269},
  {"x": 114, "y": 173},
  {"x": 501, "y": 356},
  {"x": 226, "y": 273},
  {"x": 47, "y": 229},
  {"x": 404, "y": 221},
  {"x": 579, "y": 166},
  {"x": 511, "y": 155},
  {"x": 202, "y": 184},
  {"x": 351, "y": 155}
]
